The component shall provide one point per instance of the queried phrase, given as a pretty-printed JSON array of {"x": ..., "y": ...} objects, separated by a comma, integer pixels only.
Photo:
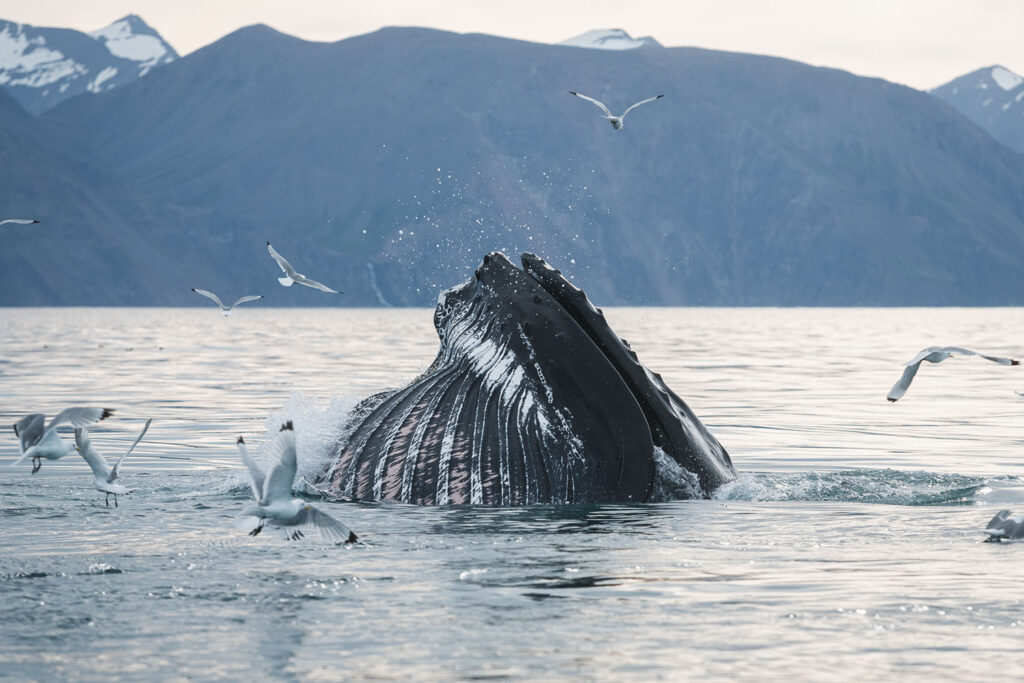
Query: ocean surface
[{"x": 850, "y": 547}]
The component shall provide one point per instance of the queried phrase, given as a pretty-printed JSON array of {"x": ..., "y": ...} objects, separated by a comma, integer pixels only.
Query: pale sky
[{"x": 921, "y": 43}]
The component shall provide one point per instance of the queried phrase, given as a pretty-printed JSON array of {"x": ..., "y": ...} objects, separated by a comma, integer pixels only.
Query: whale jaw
[{"x": 523, "y": 404}]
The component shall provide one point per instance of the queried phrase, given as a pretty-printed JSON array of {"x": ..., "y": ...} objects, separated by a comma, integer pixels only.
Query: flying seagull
[
  {"x": 616, "y": 121},
  {"x": 226, "y": 310},
  {"x": 274, "y": 508},
  {"x": 19, "y": 221},
  {"x": 291, "y": 277},
  {"x": 1005, "y": 526},
  {"x": 105, "y": 475},
  {"x": 42, "y": 441},
  {"x": 936, "y": 354}
]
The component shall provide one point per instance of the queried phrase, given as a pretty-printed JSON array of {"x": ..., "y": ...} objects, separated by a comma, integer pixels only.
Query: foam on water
[
  {"x": 672, "y": 481},
  {"x": 319, "y": 429}
]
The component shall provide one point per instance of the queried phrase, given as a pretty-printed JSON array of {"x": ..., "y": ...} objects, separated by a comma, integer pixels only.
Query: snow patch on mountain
[
  {"x": 1005, "y": 79},
  {"x": 104, "y": 75},
  {"x": 43, "y": 66},
  {"x": 609, "y": 39},
  {"x": 123, "y": 40},
  {"x": 991, "y": 97},
  {"x": 19, "y": 53}
]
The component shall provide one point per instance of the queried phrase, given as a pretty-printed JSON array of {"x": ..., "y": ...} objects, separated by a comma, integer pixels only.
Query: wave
[{"x": 879, "y": 486}]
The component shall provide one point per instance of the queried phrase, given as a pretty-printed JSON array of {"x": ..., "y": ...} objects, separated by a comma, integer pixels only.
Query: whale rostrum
[{"x": 532, "y": 398}]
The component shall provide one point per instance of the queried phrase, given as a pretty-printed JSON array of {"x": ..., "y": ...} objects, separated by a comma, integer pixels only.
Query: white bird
[
  {"x": 105, "y": 475},
  {"x": 291, "y": 277},
  {"x": 616, "y": 121},
  {"x": 275, "y": 508},
  {"x": 39, "y": 442},
  {"x": 19, "y": 221},
  {"x": 1005, "y": 526},
  {"x": 936, "y": 354},
  {"x": 226, "y": 310}
]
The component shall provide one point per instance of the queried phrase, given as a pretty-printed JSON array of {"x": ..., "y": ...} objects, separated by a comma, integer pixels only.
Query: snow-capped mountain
[
  {"x": 993, "y": 98},
  {"x": 41, "y": 67},
  {"x": 610, "y": 39}
]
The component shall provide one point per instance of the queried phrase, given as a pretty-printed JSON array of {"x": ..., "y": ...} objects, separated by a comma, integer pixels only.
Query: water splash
[{"x": 672, "y": 481}]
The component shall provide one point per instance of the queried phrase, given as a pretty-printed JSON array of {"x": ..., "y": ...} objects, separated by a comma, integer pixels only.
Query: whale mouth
[
  {"x": 674, "y": 427},
  {"x": 532, "y": 399}
]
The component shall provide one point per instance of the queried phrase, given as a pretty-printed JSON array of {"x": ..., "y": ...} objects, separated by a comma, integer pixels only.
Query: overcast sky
[{"x": 922, "y": 43}]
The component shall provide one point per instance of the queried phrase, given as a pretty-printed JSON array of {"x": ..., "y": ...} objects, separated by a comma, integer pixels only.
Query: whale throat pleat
[{"x": 523, "y": 404}]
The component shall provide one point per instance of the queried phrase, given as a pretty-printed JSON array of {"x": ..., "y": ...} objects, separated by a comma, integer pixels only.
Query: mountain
[
  {"x": 385, "y": 165},
  {"x": 993, "y": 98},
  {"x": 41, "y": 67},
  {"x": 98, "y": 242},
  {"x": 610, "y": 39}
]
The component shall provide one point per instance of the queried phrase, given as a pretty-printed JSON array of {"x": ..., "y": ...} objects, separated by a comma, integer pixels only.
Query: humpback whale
[{"x": 532, "y": 398}]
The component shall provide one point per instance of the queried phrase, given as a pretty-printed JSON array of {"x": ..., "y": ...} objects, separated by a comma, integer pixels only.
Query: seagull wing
[
  {"x": 97, "y": 463},
  {"x": 244, "y": 299},
  {"x": 19, "y": 221},
  {"x": 1001, "y": 361},
  {"x": 1005, "y": 525},
  {"x": 210, "y": 295},
  {"x": 278, "y": 485},
  {"x": 79, "y": 417},
  {"x": 256, "y": 475},
  {"x": 18, "y": 461},
  {"x": 903, "y": 384},
  {"x": 30, "y": 429},
  {"x": 591, "y": 99},
  {"x": 637, "y": 104},
  {"x": 282, "y": 262},
  {"x": 330, "y": 528},
  {"x": 117, "y": 466},
  {"x": 303, "y": 280},
  {"x": 924, "y": 353},
  {"x": 960, "y": 351}
]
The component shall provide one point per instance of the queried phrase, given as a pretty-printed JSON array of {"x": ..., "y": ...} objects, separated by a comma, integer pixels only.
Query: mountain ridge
[{"x": 755, "y": 181}]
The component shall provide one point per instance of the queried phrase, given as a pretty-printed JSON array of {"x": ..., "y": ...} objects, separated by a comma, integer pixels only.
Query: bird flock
[
  {"x": 291, "y": 277},
  {"x": 291, "y": 518},
  {"x": 273, "y": 507}
]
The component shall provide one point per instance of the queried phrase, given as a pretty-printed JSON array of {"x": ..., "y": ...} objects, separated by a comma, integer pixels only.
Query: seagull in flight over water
[
  {"x": 19, "y": 221},
  {"x": 226, "y": 310},
  {"x": 936, "y": 354},
  {"x": 291, "y": 277},
  {"x": 39, "y": 440},
  {"x": 616, "y": 121},
  {"x": 275, "y": 508},
  {"x": 105, "y": 475}
]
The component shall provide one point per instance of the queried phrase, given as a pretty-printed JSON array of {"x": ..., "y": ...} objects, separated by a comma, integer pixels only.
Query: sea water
[{"x": 849, "y": 547}]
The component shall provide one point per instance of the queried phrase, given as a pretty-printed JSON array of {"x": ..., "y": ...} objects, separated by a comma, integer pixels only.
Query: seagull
[
  {"x": 1005, "y": 526},
  {"x": 275, "y": 508},
  {"x": 38, "y": 442},
  {"x": 616, "y": 121},
  {"x": 19, "y": 221},
  {"x": 226, "y": 310},
  {"x": 292, "y": 277},
  {"x": 936, "y": 354},
  {"x": 105, "y": 475}
]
